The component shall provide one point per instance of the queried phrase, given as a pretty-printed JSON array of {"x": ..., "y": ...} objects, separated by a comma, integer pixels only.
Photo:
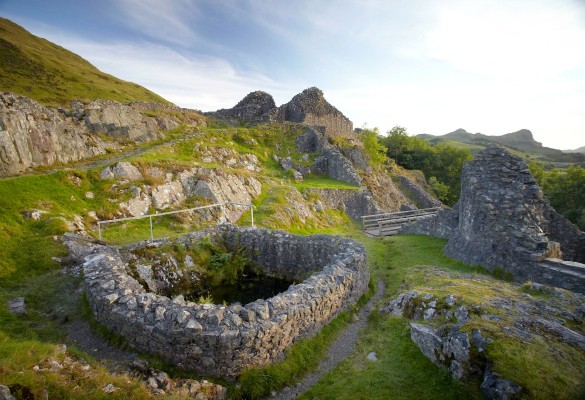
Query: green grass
[
  {"x": 322, "y": 182},
  {"x": 402, "y": 371},
  {"x": 257, "y": 383},
  {"x": 36, "y": 68},
  {"x": 546, "y": 368}
]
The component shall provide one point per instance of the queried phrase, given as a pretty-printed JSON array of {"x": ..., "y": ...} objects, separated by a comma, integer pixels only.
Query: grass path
[{"x": 341, "y": 348}]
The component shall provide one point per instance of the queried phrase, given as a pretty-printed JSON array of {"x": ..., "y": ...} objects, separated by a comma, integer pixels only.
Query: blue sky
[{"x": 489, "y": 66}]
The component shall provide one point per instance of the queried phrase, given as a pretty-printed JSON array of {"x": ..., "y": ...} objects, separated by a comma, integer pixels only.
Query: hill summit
[{"x": 519, "y": 141}]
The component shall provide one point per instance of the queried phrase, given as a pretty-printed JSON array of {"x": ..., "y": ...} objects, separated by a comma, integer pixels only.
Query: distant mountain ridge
[
  {"x": 579, "y": 150},
  {"x": 48, "y": 73},
  {"x": 521, "y": 141}
]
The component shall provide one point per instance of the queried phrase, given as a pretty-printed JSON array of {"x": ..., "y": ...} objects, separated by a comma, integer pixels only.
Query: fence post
[
  {"x": 99, "y": 230},
  {"x": 252, "y": 214},
  {"x": 151, "y": 234}
]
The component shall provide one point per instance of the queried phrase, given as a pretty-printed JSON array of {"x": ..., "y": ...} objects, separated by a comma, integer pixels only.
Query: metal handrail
[{"x": 149, "y": 216}]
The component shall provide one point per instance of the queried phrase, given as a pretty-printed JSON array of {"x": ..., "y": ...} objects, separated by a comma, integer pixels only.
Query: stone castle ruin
[
  {"x": 308, "y": 108},
  {"x": 502, "y": 220},
  {"x": 222, "y": 340}
]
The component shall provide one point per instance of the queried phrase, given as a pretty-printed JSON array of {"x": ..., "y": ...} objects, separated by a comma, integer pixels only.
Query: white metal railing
[{"x": 150, "y": 216}]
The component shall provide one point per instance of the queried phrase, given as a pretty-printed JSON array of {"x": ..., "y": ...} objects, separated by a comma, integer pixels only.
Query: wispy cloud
[
  {"x": 168, "y": 20},
  {"x": 202, "y": 82}
]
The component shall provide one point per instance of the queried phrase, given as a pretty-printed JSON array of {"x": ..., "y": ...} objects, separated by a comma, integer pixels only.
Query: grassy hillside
[{"x": 36, "y": 68}]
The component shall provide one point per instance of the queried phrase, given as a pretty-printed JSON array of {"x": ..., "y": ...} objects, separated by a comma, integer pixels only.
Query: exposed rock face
[
  {"x": 219, "y": 340},
  {"x": 117, "y": 120},
  {"x": 255, "y": 107},
  {"x": 122, "y": 170},
  {"x": 311, "y": 108},
  {"x": 503, "y": 221},
  {"x": 422, "y": 198},
  {"x": 355, "y": 203},
  {"x": 333, "y": 164},
  {"x": 212, "y": 184},
  {"x": 32, "y": 135}
]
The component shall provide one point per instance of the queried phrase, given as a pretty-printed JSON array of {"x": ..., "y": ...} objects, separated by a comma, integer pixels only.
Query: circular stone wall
[{"x": 223, "y": 340}]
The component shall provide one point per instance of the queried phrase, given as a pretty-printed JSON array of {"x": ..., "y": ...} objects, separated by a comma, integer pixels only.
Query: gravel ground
[{"x": 342, "y": 347}]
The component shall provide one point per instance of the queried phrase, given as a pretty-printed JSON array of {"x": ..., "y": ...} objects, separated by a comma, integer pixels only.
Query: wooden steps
[{"x": 390, "y": 223}]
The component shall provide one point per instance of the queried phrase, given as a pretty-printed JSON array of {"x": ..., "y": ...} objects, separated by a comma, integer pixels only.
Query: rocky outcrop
[
  {"x": 310, "y": 108},
  {"x": 385, "y": 193},
  {"x": 255, "y": 107},
  {"x": 355, "y": 203},
  {"x": 122, "y": 170},
  {"x": 32, "y": 135},
  {"x": 422, "y": 198},
  {"x": 116, "y": 119},
  {"x": 502, "y": 220},
  {"x": 212, "y": 184},
  {"x": 222, "y": 340},
  {"x": 331, "y": 163}
]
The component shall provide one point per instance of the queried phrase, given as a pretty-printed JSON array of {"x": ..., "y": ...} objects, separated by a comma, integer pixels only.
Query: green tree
[
  {"x": 565, "y": 190},
  {"x": 375, "y": 151},
  {"x": 442, "y": 162}
]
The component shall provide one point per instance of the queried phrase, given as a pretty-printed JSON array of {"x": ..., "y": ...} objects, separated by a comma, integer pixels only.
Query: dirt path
[{"x": 342, "y": 347}]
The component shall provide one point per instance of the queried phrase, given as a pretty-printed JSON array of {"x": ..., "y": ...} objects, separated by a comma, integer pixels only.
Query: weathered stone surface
[
  {"x": 333, "y": 164},
  {"x": 32, "y": 135},
  {"x": 255, "y": 107},
  {"x": 355, "y": 203},
  {"x": 138, "y": 205},
  {"x": 222, "y": 340},
  {"x": 5, "y": 393},
  {"x": 503, "y": 221},
  {"x": 441, "y": 225},
  {"x": 495, "y": 388},
  {"x": 16, "y": 306},
  {"x": 450, "y": 350},
  {"x": 122, "y": 170},
  {"x": 167, "y": 195},
  {"x": 311, "y": 108},
  {"x": 423, "y": 199}
]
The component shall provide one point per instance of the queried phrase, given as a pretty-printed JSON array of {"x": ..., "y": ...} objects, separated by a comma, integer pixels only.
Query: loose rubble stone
[{"x": 17, "y": 306}]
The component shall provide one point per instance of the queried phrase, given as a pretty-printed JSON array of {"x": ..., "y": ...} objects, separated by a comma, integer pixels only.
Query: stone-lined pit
[{"x": 222, "y": 340}]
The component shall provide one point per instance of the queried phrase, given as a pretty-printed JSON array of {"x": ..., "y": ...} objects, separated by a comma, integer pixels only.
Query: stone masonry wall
[
  {"x": 500, "y": 213},
  {"x": 502, "y": 220},
  {"x": 223, "y": 340},
  {"x": 310, "y": 108}
]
